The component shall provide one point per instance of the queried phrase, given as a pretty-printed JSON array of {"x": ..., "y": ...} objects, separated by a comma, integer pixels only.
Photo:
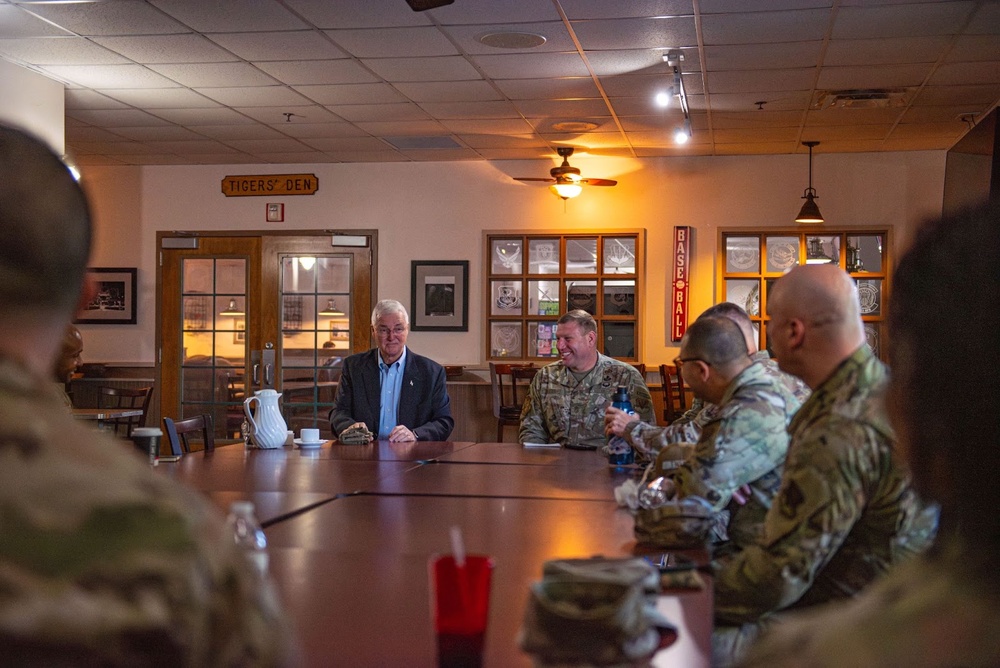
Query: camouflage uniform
[
  {"x": 932, "y": 611},
  {"x": 104, "y": 562},
  {"x": 846, "y": 511},
  {"x": 744, "y": 443},
  {"x": 558, "y": 409},
  {"x": 679, "y": 435}
]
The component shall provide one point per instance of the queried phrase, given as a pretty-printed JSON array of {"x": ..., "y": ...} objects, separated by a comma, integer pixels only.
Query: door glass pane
[
  {"x": 543, "y": 297},
  {"x": 742, "y": 254},
  {"x": 543, "y": 256},
  {"x": 581, "y": 256},
  {"x": 230, "y": 276},
  {"x": 619, "y": 339},
  {"x": 619, "y": 255},
  {"x": 198, "y": 276},
  {"x": 864, "y": 253},
  {"x": 619, "y": 297},
  {"x": 582, "y": 295},
  {"x": 873, "y": 337},
  {"x": 823, "y": 250},
  {"x": 542, "y": 339},
  {"x": 505, "y": 298},
  {"x": 870, "y": 295},
  {"x": 298, "y": 274},
  {"x": 782, "y": 253},
  {"x": 745, "y": 294},
  {"x": 506, "y": 256},
  {"x": 505, "y": 339},
  {"x": 333, "y": 275}
]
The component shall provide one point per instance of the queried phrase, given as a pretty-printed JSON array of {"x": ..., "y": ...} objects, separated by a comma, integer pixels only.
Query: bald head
[
  {"x": 815, "y": 321},
  {"x": 70, "y": 354}
]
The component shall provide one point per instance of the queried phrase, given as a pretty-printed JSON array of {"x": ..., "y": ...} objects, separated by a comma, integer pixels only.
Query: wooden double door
[{"x": 240, "y": 313}]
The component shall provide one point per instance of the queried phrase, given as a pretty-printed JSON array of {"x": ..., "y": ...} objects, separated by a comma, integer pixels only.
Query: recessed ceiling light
[
  {"x": 574, "y": 126},
  {"x": 512, "y": 40}
]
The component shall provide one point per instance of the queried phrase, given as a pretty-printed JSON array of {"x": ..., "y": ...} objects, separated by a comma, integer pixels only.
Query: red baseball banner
[{"x": 681, "y": 281}]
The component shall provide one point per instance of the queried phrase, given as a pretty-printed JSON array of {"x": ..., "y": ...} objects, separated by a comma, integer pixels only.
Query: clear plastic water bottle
[
  {"x": 243, "y": 529},
  {"x": 620, "y": 453}
]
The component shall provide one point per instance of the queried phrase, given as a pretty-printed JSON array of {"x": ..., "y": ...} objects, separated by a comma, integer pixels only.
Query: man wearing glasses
[{"x": 391, "y": 391}]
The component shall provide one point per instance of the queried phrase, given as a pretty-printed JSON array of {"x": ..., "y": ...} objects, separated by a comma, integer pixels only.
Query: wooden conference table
[{"x": 350, "y": 530}]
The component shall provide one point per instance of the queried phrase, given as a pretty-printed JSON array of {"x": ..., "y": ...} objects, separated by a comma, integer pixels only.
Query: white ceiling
[{"x": 308, "y": 81}]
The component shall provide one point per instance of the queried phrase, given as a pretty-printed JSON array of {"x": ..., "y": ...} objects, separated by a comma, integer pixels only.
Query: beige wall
[
  {"x": 438, "y": 211},
  {"x": 33, "y": 102}
]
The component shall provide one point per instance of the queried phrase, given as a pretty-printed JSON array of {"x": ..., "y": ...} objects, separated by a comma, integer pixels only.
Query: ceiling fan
[{"x": 565, "y": 179}]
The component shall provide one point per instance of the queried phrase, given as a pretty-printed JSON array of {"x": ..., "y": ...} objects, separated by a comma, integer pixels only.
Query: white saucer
[{"x": 309, "y": 444}]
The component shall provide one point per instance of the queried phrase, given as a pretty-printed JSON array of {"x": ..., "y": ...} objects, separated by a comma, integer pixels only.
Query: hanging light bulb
[
  {"x": 683, "y": 134},
  {"x": 232, "y": 310},
  {"x": 331, "y": 309},
  {"x": 566, "y": 190},
  {"x": 809, "y": 214},
  {"x": 307, "y": 262}
]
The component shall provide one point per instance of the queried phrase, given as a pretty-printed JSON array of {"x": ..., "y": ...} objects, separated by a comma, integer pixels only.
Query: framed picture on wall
[
  {"x": 114, "y": 297},
  {"x": 439, "y": 296}
]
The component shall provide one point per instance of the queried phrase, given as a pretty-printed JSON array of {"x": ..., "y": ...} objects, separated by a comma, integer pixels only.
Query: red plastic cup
[{"x": 460, "y": 604}]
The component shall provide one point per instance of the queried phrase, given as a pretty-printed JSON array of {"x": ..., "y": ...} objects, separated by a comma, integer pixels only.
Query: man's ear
[{"x": 796, "y": 333}]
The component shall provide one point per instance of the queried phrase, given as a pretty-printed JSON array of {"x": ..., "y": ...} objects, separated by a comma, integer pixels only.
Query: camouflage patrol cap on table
[
  {"x": 356, "y": 436},
  {"x": 680, "y": 523}
]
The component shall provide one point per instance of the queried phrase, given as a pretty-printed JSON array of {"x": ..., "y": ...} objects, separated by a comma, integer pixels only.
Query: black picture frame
[
  {"x": 439, "y": 295},
  {"x": 115, "y": 297}
]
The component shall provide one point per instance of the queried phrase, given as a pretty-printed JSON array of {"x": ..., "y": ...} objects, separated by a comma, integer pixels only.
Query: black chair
[
  {"x": 178, "y": 430},
  {"x": 127, "y": 398}
]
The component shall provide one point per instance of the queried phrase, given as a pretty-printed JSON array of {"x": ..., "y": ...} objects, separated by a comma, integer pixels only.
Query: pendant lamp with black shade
[{"x": 810, "y": 215}]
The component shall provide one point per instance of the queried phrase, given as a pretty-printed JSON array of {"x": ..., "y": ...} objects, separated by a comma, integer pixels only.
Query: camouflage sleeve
[
  {"x": 642, "y": 402},
  {"x": 820, "y": 499},
  {"x": 532, "y": 429},
  {"x": 650, "y": 439},
  {"x": 690, "y": 414}
]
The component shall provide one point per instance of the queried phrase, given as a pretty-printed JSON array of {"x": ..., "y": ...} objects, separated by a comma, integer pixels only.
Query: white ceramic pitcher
[{"x": 267, "y": 427}]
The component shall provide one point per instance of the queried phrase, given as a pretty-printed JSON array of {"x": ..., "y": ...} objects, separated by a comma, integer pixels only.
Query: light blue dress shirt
[{"x": 391, "y": 378}]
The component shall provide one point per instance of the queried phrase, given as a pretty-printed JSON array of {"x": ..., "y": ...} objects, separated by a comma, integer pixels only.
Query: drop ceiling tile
[
  {"x": 112, "y": 147},
  {"x": 449, "y": 91},
  {"x": 765, "y": 81},
  {"x": 852, "y": 117},
  {"x": 190, "y": 147},
  {"x": 158, "y": 133},
  {"x": 123, "y": 17},
  {"x": 368, "y": 156},
  {"x": 532, "y": 65},
  {"x": 889, "y": 51},
  {"x": 669, "y": 32},
  {"x": 755, "y": 28},
  {"x": 112, "y": 118},
  {"x": 466, "y": 13},
  {"x": 503, "y": 141},
  {"x": 225, "y": 159},
  {"x": 489, "y": 109},
  {"x": 918, "y": 130},
  {"x": 876, "y": 76},
  {"x": 971, "y": 48},
  {"x": 498, "y": 126},
  {"x": 641, "y": 106},
  {"x": 659, "y": 123},
  {"x": 565, "y": 109},
  {"x": 737, "y": 6},
  {"x": 761, "y": 148},
  {"x": 290, "y": 45},
  {"x": 83, "y": 160},
  {"x": 942, "y": 114},
  {"x": 318, "y": 130},
  {"x": 393, "y": 42},
  {"x": 640, "y": 61},
  {"x": 781, "y": 55},
  {"x": 191, "y": 117},
  {"x": 405, "y": 111},
  {"x": 296, "y": 157},
  {"x": 727, "y": 136},
  {"x": 279, "y": 115},
  {"x": 842, "y": 132},
  {"x": 110, "y": 76},
  {"x": 161, "y": 98},
  {"x": 527, "y": 153},
  {"x": 905, "y": 20},
  {"x": 645, "y": 85},
  {"x": 969, "y": 95},
  {"x": 773, "y": 100},
  {"x": 241, "y": 16},
  {"x": 159, "y": 159},
  {"x": 315, "y": 72},
  {"x": 467, "y": 36},
  {"x": 227, "y": 133},
  {"x": 94, "y": 135},
  {"x": 258, "y": 146},
  {"x": 16, "y": 23},
  {"x": 167, "y": 49},
  {"x": 403, "y": 128},
  {"x": 59, "y": 51},
  {"x": 441, "y": 68},
  {"x": 367, "y": 14},
  {"x": 545, "y": 125},
  {"x": 80, "y": 98},
  {"x": 255, "y": 96},
  {"x": 376, "y": 93},
  {"x": 587, "y": 140},
  {"x": 952, "y": 74},
  {"x": 602, "y": 9},
  {"x": 986, "y": 20},
  {"x": 907, "y": 144},
  {"x": 441, "y": 154},
  {"x": 756, "y": 119},
  {"x": 215, "y": 75},
  {"x": 548, "y": 89}
]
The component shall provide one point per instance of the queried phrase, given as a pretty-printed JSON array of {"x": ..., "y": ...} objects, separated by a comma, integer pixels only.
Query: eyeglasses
[
  {"x": 679, "y": 361},
  {"x": 383, "y": 332}
]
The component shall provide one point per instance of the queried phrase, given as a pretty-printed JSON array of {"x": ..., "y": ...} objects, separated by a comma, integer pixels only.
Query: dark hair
[
  {"x": 45, "y": 227},
  {"x": 581, "y": 318},
  {"x": 717, "y": 341},
  {"x": 727, "y": 310},
  {"x": 944, "y": 323}
]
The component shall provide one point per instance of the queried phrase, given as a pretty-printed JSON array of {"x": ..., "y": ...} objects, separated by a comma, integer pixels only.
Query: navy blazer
[{"x": 424, "y": 406}]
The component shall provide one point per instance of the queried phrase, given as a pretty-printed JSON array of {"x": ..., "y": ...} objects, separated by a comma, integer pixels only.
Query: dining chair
[
  {"x": 506, "y": 407},
  {"x": 674, "y": 399},
  {"x": 641, "y": 368},
  {"x": 178, "y": 433},
  {"x": 120, "y": 397}
]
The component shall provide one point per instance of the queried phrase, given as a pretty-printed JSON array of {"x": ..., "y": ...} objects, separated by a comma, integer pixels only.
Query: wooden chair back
[
  {"x": 119, "y": 397},
  {"x": 506, "y": 407},
  {"x": 674, "y": 399},
  {"x": 178, "y": 433},
  {"x": 641, "y": 368}
]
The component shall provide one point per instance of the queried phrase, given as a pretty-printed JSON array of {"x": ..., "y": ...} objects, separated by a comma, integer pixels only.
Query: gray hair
[{"x": 387, "y": 306}]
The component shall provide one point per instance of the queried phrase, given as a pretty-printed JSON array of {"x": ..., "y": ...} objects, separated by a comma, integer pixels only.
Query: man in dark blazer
[{"x": 416, "y": 406}]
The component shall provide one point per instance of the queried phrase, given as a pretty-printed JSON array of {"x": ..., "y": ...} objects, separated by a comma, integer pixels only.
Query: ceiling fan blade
[
  {"x": 598, "y": 182},
  {"x": 529, "y": 178}
]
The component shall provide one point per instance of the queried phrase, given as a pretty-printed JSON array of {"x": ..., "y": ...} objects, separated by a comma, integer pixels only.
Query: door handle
[{"x": 256, "y": 377}]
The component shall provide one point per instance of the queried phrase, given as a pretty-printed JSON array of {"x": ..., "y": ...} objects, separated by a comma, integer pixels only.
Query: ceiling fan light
[
  {"x": 809, "y": 215},
  {"x": 566, "y": 190}
]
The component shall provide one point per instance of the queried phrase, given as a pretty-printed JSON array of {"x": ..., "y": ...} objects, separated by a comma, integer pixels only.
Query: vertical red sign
[{"x": 681, "y": 281}]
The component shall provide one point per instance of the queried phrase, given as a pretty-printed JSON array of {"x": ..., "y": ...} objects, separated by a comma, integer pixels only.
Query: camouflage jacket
[
  {"x": 745, "y": 442},
  {"x": 679, "y": 435},
  {"x": 105, "y": 562},
  {"x": 932, "y": 611},
  {"x": 845, "y": 513},
  {"x": 558, "y": 409}
]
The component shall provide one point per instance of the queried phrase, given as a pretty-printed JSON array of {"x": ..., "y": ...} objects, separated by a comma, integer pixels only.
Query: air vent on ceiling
[
  {"x": 411, "y": 143},
  {"x": 861, "y": 98}
]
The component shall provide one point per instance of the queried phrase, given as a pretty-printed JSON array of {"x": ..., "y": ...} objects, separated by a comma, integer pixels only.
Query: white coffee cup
[{"x": 309, "y": 435}]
